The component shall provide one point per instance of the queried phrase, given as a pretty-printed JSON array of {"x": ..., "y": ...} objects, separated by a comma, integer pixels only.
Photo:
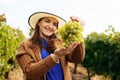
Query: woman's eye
[
  {"x": 55, "y": 24},
  {"x": 47, "y": 21}
]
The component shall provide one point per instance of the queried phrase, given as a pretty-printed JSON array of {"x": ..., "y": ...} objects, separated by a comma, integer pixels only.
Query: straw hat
[{"x": 33, "y": 19}]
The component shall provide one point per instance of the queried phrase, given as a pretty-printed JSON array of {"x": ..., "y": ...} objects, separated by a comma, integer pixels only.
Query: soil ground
[{"x": 17, "y": 74}]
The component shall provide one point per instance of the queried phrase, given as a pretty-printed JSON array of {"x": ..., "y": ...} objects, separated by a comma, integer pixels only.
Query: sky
[{"x": 98, "y": 14}]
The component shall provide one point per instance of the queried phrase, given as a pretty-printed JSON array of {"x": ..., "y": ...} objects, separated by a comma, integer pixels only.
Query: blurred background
[
  {"x": 101, "y": 35},
  {"x": 98, "y": 14}
]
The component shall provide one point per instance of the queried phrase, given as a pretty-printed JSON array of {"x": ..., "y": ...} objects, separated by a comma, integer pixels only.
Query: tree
[
  {"x": 9, "y": 41},
  {"x": 103, "y": 53}
]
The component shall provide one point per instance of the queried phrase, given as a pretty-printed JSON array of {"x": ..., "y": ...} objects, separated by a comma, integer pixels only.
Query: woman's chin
[{"x": 49, "y": 34}]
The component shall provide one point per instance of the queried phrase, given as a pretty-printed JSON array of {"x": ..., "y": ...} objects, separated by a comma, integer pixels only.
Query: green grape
[{"x": 71, "y": 32}]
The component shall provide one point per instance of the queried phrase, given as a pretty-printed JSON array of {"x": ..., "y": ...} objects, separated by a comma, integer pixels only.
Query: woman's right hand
[{"x": 64, "y": 51}]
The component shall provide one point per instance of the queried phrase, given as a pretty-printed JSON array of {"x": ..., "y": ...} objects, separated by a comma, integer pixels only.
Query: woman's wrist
[{"x": 55, "y": 58}]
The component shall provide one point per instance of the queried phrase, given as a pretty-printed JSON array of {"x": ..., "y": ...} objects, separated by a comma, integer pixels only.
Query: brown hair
[{"x": 36, "y": 38}]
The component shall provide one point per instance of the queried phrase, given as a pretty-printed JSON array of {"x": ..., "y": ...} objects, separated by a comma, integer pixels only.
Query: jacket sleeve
[
  {"x": 78, "y": 54},
  {"x": 33, "y": 70}
]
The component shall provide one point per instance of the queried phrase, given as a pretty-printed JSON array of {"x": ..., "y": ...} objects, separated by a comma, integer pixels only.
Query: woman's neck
[{"x": 43, "y": 36}]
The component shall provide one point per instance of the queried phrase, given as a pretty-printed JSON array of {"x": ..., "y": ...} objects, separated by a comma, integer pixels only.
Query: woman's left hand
[{"x": 75, "y": 18}]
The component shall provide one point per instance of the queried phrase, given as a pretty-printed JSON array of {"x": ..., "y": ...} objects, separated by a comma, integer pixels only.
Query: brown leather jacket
[{"x": 35, "y": 68}]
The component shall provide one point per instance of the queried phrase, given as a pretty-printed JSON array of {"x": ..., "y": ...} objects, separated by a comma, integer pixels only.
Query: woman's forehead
[{"x": 51, "y": 18}]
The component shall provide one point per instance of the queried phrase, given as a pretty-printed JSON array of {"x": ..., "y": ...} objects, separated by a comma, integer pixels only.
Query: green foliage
[
  {"x": 9, "y": 40},
  {"x": 71, "y": 32},
  {"x": 103, "y": 53}
]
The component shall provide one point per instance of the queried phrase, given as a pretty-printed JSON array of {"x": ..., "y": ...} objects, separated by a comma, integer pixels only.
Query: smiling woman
[
  {"x": 34, "y": 56},
  {"x": 48, "y": 26}
]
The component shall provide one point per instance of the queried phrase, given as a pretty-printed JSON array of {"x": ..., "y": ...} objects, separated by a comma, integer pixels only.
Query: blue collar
[{"x": 44, "y": 43}]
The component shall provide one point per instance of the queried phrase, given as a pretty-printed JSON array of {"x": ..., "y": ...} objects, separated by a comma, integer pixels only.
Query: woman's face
[{"x": 48, "y": 26}]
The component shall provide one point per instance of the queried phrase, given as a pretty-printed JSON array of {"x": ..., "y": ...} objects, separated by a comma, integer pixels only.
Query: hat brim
[{"x": 36, "y": 16}]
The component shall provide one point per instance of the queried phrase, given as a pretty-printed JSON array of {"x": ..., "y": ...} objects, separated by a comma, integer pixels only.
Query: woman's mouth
[{"x": 48, "y": 30}]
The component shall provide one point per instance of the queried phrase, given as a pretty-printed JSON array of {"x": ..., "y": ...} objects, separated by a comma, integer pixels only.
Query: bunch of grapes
[{"x": 70, "y": 32}]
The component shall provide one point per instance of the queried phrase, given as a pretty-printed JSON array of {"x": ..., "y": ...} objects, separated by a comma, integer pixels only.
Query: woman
[{"x": 36, "y": 61}]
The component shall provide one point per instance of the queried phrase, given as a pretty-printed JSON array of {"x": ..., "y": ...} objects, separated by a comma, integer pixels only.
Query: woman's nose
[{"x": 51, "y": 26}]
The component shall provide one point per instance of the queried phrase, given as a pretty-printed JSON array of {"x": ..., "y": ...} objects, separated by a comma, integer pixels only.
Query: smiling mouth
[{"x": 48, "y": 30}]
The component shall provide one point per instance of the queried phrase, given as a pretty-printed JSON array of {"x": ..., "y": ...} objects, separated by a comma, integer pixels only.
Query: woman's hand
[
  {"x": 64, "y": 51},
  {"x": 75, "y": 18}
]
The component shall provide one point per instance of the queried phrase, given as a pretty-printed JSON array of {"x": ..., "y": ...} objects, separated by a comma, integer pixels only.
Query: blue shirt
[{"x": 55, "y": 73}]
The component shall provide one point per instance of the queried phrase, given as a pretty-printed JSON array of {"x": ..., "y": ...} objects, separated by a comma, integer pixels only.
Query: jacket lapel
[{"x": 37, "y": 53}]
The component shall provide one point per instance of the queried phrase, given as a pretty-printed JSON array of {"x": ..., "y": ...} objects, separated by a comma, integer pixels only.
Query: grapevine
[{"x": 70, "y": 32}]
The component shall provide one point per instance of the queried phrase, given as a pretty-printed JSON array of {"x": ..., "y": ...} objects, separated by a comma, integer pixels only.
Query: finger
[
  {"x": 80, "y": 20},
  {"x": 74, "y": 46},
  {"x": 73, "y": 18},
  {"x": 74, "y": 43},
  {"x": 59, "y": 49}
]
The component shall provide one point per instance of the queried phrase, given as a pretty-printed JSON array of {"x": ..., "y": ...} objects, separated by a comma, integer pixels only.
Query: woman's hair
[{"x": 36, "y": 38}]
